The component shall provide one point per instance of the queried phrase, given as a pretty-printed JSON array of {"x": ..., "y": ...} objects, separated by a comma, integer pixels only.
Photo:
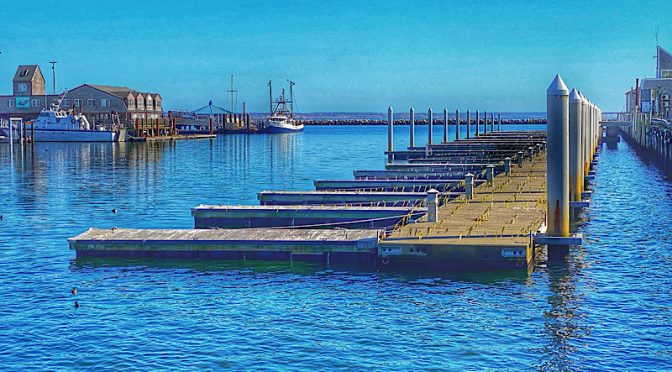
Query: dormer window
[{"x": 24, "y": 73}]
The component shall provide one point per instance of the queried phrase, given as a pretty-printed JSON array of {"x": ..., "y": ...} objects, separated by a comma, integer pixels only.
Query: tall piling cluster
[
  {"x": 573, "y": 133},
  {"x": 457, "y": 122}
]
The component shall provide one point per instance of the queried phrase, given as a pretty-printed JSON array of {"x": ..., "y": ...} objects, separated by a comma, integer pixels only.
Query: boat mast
[
  {"x": 270, "y": 96},
  {"x": 291, "y": 99}
]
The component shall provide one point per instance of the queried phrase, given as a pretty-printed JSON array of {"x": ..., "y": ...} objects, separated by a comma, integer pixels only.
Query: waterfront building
[
  {"x": 654, "y": 95},
  {"x": 97, "y": 102}
]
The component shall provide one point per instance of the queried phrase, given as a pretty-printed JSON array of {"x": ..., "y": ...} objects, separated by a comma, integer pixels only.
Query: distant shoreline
[{"x": 406, "y": 122}]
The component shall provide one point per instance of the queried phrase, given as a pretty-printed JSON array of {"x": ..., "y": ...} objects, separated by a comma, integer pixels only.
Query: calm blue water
[{"x": 608, "y": 306}]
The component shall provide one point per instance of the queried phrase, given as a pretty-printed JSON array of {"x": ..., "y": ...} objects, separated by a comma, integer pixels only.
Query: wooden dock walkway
[{"x": 495, "y": 225}]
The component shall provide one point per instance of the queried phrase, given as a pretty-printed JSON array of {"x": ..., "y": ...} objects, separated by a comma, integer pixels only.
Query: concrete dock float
[
  {"x": 347, "y": 198},
  {"x": 327, "y": 246},
  {"x": 309, "y": 216},
  {"x": 391, "y": 185}
]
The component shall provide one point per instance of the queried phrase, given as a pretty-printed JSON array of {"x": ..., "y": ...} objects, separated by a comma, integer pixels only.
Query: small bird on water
[
  {"x": 114, "y": 210},
  {"x": 77, "y": 304},
  {"x": 1, "y": 217},
  {"x": 74, "y": 290}
]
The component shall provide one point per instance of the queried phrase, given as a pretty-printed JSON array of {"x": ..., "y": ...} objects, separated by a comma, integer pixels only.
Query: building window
[
  {"x": 105, "y": 102},
  {"x": 35, "y": 102},
  {"x": 10, "y": 103},
  {"x": 65, "y": 102},
  {"x": 90, "y": 102},
  {"x": 78, "y": 102},
  {"x": 22, "y": 87}
]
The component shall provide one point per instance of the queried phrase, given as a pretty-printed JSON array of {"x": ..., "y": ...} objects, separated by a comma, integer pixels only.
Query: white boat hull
[
  {"x": 75, "y": 136},
  {"x": 283, "y": 127}
]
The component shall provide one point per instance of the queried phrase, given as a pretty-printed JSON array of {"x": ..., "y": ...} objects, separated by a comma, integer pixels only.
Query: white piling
[
  {"x": 492, "y": 122},
  {"x": 485, "y": 122},
  {"x": 430, "y": 125},
  {"x": 469, "y": 186},
  {"x": 507, "y": 166},
  {"x": 432, "y": 205},
  {"x": 575, "y": 158},
  {"x": 557, "y": 176},
  {"x": 411, "y": 134},
  {"x": 457, "y": 125},
  {"x": 445, "y": 125},
  {"x": 390, "y": 131}
]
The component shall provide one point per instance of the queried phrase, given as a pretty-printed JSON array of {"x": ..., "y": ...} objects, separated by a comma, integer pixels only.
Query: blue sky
[{"x": 344, "y": 55}]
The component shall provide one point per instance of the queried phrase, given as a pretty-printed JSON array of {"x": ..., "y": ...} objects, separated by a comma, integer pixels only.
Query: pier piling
[
  {"x": 490, "y": 174},
  {"x": 469, "y": 186},
  {"x": 457, "y": 125},
  {"x": 557, "y": 183},
  {"x": 575, "y": 157},
  {"x": 485, "y": 123},
  {"x": 499, "y": 122},
  {"x": 430, "y": 125},
  {"x": 445, "y": 125},
  {"x": 507, "y": 166},
  {"x": 478, "y": 122},
  {"x": 492, "y": 122},
  {"x": 411, "y": 134},
  {"x": 468, "y": 124},
  {"x": 432, "y": 205},
  {"x": 390, "y": 132}
]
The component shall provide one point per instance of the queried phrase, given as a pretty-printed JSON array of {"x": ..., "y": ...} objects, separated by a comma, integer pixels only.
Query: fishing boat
[{"x": 281, "y": 118}]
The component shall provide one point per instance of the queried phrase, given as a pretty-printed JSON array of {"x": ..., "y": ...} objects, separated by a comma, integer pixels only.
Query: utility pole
[
  {"x": 53, "y": 74},
  {"x": 232, "y": 91}
]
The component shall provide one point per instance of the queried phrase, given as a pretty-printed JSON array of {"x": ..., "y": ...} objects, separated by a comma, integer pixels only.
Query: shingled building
[{"x": 97, "y": 102}]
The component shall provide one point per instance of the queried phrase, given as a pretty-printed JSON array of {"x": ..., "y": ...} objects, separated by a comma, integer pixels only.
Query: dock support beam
[
  {"x": 432, "y": 205},
  {"x": 411, "y": 134},
  {"x": 468, "y": 124},
  {"x": 499, "y": 122},
  {"x": 430, "y": 126},
  {"x": 575, "y": 161},
  {"x": 485, "y": 123},
  {"x": 478, "y": 122},
  {"x": 457, "y": 125},
  {"x": 469, "y": 186},
  {"x": 557, "y": 177}
]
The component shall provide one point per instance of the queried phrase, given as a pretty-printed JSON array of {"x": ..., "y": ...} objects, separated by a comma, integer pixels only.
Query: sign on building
[{"x": 22, "y": 102}]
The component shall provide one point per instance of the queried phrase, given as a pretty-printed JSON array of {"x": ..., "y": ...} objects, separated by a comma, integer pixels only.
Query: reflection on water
[{"x": 607, "y": 306}]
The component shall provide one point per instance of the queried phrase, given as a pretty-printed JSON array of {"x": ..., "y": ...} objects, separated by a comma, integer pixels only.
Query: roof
[
  {"x": 27, "y": 72},
  {"x": 205, "y": 110},
  {"x": 655, "y": 83},
  {"x": 121, "y": 92}
]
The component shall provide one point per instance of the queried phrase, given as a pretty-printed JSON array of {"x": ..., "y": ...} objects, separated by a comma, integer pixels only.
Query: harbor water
[{"x": 607, "y": 307}]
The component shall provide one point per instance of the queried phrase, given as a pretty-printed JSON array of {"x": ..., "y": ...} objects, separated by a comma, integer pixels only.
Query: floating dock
[
  {"x": 301, "y": 216},
  {"x": 327, "y": 246},
  {"x": 480, "y": 201}
]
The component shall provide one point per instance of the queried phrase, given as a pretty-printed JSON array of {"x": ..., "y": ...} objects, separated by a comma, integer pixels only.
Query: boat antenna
[{"x": 270, "y": 96}]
